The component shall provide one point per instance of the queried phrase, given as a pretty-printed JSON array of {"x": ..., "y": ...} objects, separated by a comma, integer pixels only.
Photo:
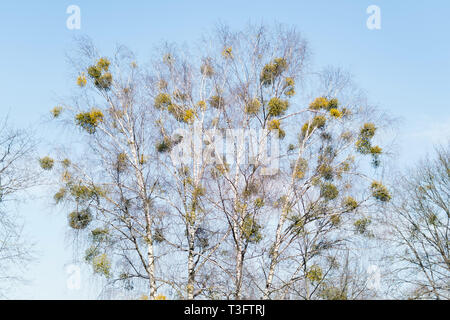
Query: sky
[{"x": 404, "y": 67}]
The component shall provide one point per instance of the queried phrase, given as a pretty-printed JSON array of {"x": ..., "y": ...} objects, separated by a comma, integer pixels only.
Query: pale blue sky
[{"x": 404, "y": 68}]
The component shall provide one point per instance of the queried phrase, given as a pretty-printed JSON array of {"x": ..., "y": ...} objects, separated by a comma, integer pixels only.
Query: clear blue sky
[{"x": 404, "y": 67}]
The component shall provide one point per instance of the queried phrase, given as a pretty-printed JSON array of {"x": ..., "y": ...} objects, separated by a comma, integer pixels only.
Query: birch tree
[
  {"x": 17, "y": 174},
  {"x": 419, "y": 221}
]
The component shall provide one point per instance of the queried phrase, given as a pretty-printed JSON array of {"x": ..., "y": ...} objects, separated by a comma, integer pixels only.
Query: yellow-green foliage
[
  {"x": 332, "y": 293},
  {"x": 289, "y": 87},
  {"x": 332, "y": 104},
  {"x": 326, "y": 171},
  {"x": 329, "y": 191},
  {"x": 104, "y": 82},
  {"x": 81, "y": 80},
  {"x": 89, "y": 120},
  {"x": 324, "y": 103},
  {"x": 300, "y": 168},
  {"x": 80, "y": 219},
  {"x": 297, "y": 224},
  {"x": 277, "y": 106},
  {"x": 198, "y": 191},
  {"x": 143, "y": 159},
  {"x": 59, "y": 196},
  {"x": 272, "y": 70},
  {"x": 253, "y": 106},
  {"x": 202, "y": 105},
  {"x": 99, "y": 73},
  {"x": 103, "y": 64},
  {"x": 349, "y": 203},
  {"x": 319, "y": 103},
  {"x": 380, "y": 192},
  {"x": 376, "y": 150},
  {"x": 66, "y": 163},
  {"x": 216, "y": 102},
  {"x": 102, "y": 265},
  {"x": 361, "y": 225},
  {"x": 314, "y": 273},
  {"x": 84, "y": 193},
  {"x": 162, "y": 100},
  {"x": 56, "y": 111},
  {"x": 189, "y": 116},
  {"x": 259, "y": 203},
  {"x": 227, "y": 53},
  {"x": 275, "y": 125},
  {"x": 90, "y": 253},
  {"x": 366, "y": 133},
  {"x": 176, "y": 111},
  {"x": 251, "y": 230},
  {"x": 160, "y": 297},
  {"x": 335, "y": 219},
  {"x": 317, "y": 122},
  {"x": 335, "y": 113},
  {"x": 165, "y": 145},
  {"x": 99, "y": 234},
  {"x": 46, "y": 163},
  {"x": 121, "y": 162}
]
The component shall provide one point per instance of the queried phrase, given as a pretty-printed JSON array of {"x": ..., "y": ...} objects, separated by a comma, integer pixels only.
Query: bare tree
[
  {"x": 419, "y": 222},
  {"x": 16, "y": 175}
]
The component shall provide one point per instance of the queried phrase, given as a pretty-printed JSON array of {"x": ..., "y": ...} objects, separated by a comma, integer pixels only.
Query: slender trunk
[
  {"x": 274, "y": 255},
  {"x": 239, "y": 269},
  {"x": 191, "y": 264},
  {"x": 151, "y": 267}
]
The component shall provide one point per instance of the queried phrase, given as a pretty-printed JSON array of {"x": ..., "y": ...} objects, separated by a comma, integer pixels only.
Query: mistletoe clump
[
  {"x": 89, "y": 121},
  {"x": 80, "y": 219},
  {"x": 350, "y": 204},
  {"x": 364, "y": 143},
  {"x": 380, "y": 192},
  {"x": 289, "y": 87},
  {"x": 317, "y": 122},
  {"x": 164, "y": 146},
  {"x": 275, "y": 125},
  {"x": 81, "y": 80},
  {"x": 253, "y": 106},
  {"x": 162, "y": 100},
  {"x": 102, "y": 265},
  {"x": 251, "y": 230},
  {"x": 277, "y": 106},
  {"x": 56, "y": 111},
  {"x": 315, "y": 273},
  {"x": 216, "y": 102},
  {"x": 361, "y": 225},
  {"x": 273, "y": 70},
  {"x": 227, "y": 53},
  {"x": 100, "y": 75},
  {"x": 300, "y": 168},
  {"x": 329, "y": 191},
  {"x": 46, "y": 163},
  {"x": 324, "y": 104}
]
